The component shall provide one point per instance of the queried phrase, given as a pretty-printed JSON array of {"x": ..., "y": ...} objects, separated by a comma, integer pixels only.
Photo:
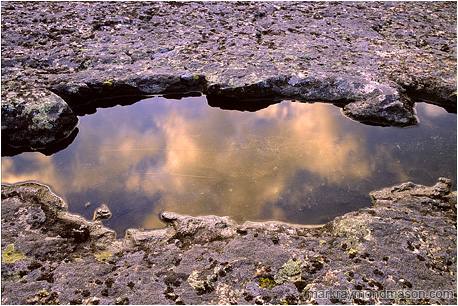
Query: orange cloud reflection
[{"x": 203, "y": 160}]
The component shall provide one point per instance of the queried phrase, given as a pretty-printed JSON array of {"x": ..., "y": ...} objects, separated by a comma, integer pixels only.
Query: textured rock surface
[
  {"x": 102, "y": 213},
  {"x": 370, "y": 58},
  {"x": 406, "y": 241},
  {"x": 35, "y": 119}
]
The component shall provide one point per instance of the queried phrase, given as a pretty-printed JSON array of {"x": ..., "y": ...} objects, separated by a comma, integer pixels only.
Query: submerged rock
[
  {"x": 405, "y": 242},
  {"x": 102, "y": 213}
]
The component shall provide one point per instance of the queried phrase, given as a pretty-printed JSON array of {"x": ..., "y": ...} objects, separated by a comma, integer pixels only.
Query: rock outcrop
[
  {"x": 404, "y": 244},
  {"x": 372, "y": 59},
  {"x": 36, "y": 119}
]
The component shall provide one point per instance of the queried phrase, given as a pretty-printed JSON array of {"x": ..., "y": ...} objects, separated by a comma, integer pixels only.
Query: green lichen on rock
[
  {"x": 41, "y": 114},
  {"x": 41, "y": 120},
  {"x": 36, "y": 119},
  {"x": 288, "y": 271},
  {"x": 103, "y": 256},
  {"x": 10, "y": 255},
  {"x": 355, "y": 231}
]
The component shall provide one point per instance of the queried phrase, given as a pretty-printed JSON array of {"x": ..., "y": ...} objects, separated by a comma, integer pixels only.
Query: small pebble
[{"x": 102, "y": 213}]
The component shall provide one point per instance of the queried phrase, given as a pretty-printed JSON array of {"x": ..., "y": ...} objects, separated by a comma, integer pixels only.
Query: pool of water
[{"x": 294, "y": 162}]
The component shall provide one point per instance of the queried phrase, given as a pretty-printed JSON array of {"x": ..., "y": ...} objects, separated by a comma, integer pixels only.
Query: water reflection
[{"x": 295, "y": 162}]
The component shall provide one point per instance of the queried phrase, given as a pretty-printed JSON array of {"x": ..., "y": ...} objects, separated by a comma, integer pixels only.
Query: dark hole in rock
[{"x": 294, "y": 162}]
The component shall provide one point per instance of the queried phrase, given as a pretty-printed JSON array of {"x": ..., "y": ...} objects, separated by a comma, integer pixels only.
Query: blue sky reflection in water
[{"x": 294, "y": 162}]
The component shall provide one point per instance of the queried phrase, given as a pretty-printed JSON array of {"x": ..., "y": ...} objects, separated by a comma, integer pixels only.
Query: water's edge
[{"x": 194, "y": 258}]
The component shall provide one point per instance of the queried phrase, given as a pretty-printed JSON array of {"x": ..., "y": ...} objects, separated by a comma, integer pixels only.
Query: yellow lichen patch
[
  {"x": 266, "y": 282},
  {"x": 109, "y": 82},
  {"x": 42, "y": 293},
  {"x": 352, "y": 251},
  {"x": 77, "y": 259},
  {"x": 9, "y": 255},
  {"x": 103, "y": 256}
]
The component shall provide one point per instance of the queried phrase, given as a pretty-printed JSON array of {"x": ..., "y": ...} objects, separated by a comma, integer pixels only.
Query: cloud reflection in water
[{"x": 293, "y": 162}]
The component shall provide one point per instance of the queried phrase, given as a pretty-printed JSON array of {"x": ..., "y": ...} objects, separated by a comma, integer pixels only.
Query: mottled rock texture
[
  {"x": 36, "y": 119},
  {"x": 405, "y": 242},
  {"x": 373, "y": 59}
]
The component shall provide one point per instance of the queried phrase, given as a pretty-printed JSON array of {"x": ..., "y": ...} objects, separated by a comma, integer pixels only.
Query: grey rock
[
  {"x": 236, "y": 53},
  {"x": 372, "y": 59},
  {"x": 389, "y": 111},
  {"x": 406, "y": 241},
  {"x": 36, "y": 119},
  {"x": 199, "y": 229},
  {"x": 102, "y": 213},
  {"x": 365, "y": 101}
]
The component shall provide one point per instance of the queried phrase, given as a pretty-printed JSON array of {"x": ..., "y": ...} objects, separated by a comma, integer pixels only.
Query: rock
[
  {"x": 406, "y": 241},
  {"x": 205, "y": 229},
  {"x": 10, "y": 255},
  {"x": 102, "y": 213},
  {"x": 389, "y": 111},
  {"x": 245, "y": 56},
  {"x": 288, "y": 270},
  {"x": 366, "y": 101},
  {"x": 201, "y": 284},
  {"x": 35, "y": 119},
  {"x": 239, "y": 59},
  {"x": 437, "y": 193},
  {"x": 50, "y": 210},
  {"x": 78, "y": 94}
]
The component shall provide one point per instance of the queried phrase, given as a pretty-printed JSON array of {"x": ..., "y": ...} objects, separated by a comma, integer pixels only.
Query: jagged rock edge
[
  {"x": 340, "y": 91},
  {"x": 366, "y": 101},
  {"x": 196, "y": 229},
  {"x": 199, "y": 229}
]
